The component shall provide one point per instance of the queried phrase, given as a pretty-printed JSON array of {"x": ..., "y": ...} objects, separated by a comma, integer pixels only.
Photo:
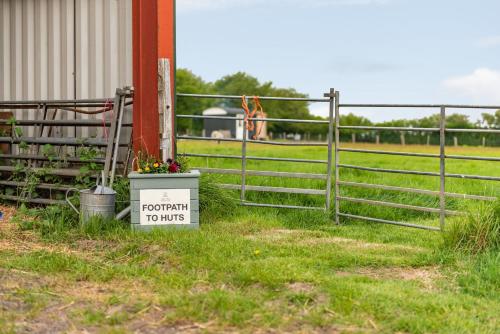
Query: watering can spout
[{"x": 124, "y": 213}]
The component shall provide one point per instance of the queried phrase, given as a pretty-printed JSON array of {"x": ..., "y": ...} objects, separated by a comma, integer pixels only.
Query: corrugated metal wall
[{"x": 64, "y": 49}]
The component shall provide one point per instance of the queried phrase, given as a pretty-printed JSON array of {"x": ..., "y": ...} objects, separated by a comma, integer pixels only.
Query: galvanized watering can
[{"x": 96, "y": 201}]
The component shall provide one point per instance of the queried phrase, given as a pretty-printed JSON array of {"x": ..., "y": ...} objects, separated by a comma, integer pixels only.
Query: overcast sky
[{"x": 372, "y": 51}]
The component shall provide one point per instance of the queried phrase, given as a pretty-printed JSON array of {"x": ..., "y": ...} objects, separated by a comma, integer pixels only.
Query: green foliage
[
  {"x": 49, "y": 152},
  {"x": 60, "y": 222},
  {"x": 477, "y": 232},
  {"x": 90, "y": 168},
  {"x": 122, "y": 188},
  {"x": 53, "y": 221},
  {"x": 18, "y": 131},
  {"x": 12, "y": 121}
]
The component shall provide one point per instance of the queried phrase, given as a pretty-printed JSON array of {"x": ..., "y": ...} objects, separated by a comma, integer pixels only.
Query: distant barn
[{"x": 228, "y": 128}]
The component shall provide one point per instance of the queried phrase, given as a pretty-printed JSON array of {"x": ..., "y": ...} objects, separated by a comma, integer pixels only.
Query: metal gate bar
[
  {"x": 244, "y": 172},
  {"x": 264, "y": 173},
  {"x": 442, "y": 194},
  {"x": 250, "y": 141},
  {"x": 218, "y": 156},
  {"x": 415, "y": 191}
]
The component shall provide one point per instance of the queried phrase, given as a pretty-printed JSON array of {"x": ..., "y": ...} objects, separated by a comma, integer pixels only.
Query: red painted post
[
  {"x": 153, "y": 36},
  {"x": 166, "y": 48},
  {"x": 145, "y": 62}
]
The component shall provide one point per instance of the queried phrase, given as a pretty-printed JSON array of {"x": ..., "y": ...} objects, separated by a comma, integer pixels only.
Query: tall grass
[
  {"x": 215, "y": 202},
  {"x": 477, "y": 232}
]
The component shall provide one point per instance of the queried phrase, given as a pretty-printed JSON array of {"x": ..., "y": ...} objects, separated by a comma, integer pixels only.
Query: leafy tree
[
  {"x": 490, "y": 121},
  {"x": 241, "y": 83},
  {"x": 244, "y": 84},
  {"x": 458, "y": 121},
  {"x": 189, "y": 83}
]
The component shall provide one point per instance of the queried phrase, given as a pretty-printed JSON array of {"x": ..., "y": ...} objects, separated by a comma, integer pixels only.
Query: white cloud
[
  {"x": 490, "y": 41},
  {"x": 483, "y": 85},
  {"x": 193, "y": 5}
]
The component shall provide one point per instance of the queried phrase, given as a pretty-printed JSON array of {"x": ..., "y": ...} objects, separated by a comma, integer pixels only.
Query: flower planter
[{"x": 165, "y": 200}]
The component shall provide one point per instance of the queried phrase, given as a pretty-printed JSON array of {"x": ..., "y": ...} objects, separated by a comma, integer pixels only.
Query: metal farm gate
[
  {"x": 334, "y": 165},
  {"x": 244, "y": 157},
  {"x": 442, "y": 156}
]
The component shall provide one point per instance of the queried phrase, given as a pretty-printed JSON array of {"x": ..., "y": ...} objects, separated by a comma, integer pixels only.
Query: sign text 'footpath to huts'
[{"x": 165, "y": 206}]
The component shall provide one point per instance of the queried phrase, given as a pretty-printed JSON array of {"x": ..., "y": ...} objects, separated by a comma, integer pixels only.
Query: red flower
[{"x": 174, "y": 167}]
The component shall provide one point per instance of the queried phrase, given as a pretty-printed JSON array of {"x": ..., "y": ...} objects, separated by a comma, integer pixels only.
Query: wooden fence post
[{"x": 165, "y": 109}]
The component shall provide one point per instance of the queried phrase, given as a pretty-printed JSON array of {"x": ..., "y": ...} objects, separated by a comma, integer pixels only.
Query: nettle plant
[{"x": 147, "y": 164}]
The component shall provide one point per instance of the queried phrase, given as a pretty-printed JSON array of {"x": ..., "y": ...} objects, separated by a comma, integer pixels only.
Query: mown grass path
[{"x": 260, "y": 271}]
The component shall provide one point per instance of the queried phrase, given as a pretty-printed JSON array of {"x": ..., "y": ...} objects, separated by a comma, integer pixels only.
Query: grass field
[
  {"x": 461, "y": 186},
  {"x": 258, "y": 270}
]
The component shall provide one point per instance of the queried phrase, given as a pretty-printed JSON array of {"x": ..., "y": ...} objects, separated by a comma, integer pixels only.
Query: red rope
[{"x": 108, "y": 102}]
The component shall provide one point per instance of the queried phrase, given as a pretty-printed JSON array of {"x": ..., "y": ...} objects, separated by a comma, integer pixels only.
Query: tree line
[
  {"x": 244, "y": 84},
  {"x": 453, "y": 121}
]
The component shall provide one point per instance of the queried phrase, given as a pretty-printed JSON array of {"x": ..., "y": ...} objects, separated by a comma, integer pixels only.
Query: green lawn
[{"x": 258, "y": 270}]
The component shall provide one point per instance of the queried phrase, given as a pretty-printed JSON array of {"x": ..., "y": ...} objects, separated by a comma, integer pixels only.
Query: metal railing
[
  {"x": 244, "y": 157},
  {"x": 442, "y": 156}
]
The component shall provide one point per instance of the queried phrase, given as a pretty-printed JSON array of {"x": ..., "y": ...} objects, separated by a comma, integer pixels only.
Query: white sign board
[{"x": 165, "y": 206}]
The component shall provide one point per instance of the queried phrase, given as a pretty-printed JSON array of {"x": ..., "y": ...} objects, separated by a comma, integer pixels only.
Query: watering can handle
[{"x": 69, "y": 202}]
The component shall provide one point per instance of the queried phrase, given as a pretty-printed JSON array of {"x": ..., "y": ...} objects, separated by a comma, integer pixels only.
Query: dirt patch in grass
[
  {"x": 358, "y": 244},
  {"x": 54, "y": 305},
  {"x": 315, "y": 238},
  {"x": 95, "y": 246},
  {"x": 427, "y": 276},
  {"x": 277, "y": 235},
  {"x": 15, "y": 240},
  {"x": 300, "y": 287}
]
